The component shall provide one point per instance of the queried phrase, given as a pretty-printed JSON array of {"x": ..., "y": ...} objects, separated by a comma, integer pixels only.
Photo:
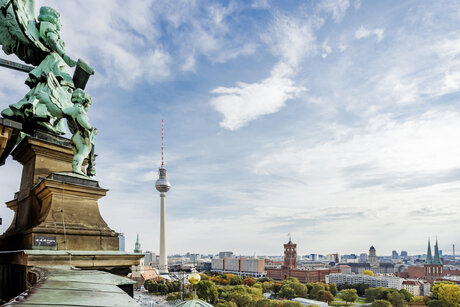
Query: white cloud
[
  {"x": 326, "y": 49},
  {"x": 247, "y": 102},
  {"x": 362, "y": 32},
  {"x": 338, "y": 8},
  {"x": 291, "y": 40}
]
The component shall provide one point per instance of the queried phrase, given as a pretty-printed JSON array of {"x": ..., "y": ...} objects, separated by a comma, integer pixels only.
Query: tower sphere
[{"x": 162, "y": 184}]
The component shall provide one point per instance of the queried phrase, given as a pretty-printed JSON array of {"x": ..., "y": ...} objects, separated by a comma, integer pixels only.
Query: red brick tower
[{"x": 290, "y": 255}]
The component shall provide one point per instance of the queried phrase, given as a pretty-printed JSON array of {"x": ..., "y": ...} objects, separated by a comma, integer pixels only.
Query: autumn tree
[{"x": 368, "y": 272}]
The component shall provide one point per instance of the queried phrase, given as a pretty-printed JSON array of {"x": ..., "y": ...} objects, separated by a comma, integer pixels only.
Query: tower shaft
[{"x": 163, "y": 256}]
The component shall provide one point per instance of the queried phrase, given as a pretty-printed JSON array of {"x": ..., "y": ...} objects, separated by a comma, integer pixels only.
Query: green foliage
[
  {"x": 333, "y": 289},
  {"x": 381, "y": 303},
  {"x": 435, "y": 288},
  {"x": 268, "y": 286},
  {"x": 287, "y": 292},
  {"x": 236, "y": 280},
  {"x": 264, "y": 279},
  {"x": 360, "y": 288},
  {"x": 327, "y": 297},
  {"x": 291, "y": 288},
  {"x": 397, "y": 299},
  {"x": 207, "y": 291},
  {"x": 434, "y": 303},
  {"x": 349, "y": 295},
  {"x": 162, "y": 287},
  {"x": 407, "y": 295},
  {"x": 241, "y": 295},
  {"x": 316, "y": 291},
  {"x": 223, "y": 303},
  {"x": 173, "y": 296},
  {"x": 419, "y": 300},
  {"x": 449, "y": 295}
]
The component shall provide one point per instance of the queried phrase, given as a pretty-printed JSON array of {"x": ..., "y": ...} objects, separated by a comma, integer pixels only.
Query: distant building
[
  {"x": 195, "y": 257},
  {"x": 148, "y": 258},
  {"x": 372, "y": 256},
  {"x": 363, "y": 258},
  {"x": 344, "y": 268},
  {"x": 394, "y": 255},
  {"x": 223, "y": 255},
  {"x": 137, "y": 245},
  {"x": 403, "y": 254},
  {"x": 121, "y": 242},
  {"x": 240, "y": 266},
  {"x": 289, "y": 268},
  {"x": 372, "y": 281},
  {"x": 417, "y": 287},
  {"x": 433, "y": 268}
]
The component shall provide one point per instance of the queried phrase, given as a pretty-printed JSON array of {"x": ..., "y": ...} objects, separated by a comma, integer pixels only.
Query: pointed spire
[
  {"x": 162, "y": 144},
  {"x": 437, "y": 258},
  {"x": 137, "y": 246},
  {"x": 429, "y": 258}
]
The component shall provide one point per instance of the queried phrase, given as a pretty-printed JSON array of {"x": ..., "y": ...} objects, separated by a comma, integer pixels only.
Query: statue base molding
[{"x": 55, "y": 209}]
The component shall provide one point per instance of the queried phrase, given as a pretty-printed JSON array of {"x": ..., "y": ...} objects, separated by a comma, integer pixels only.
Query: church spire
[
  {"x": 437, "y": 258},
  {"x": 429, "y": 258},
  {"x": 137, "y": 246}
]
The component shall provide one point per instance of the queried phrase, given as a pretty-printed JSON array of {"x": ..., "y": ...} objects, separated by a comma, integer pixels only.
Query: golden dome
[{"x": 194, "y": 278}]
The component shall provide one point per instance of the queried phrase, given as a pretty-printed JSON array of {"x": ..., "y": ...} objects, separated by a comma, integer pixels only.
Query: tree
[
  {"x": 349, "y": 295},
  {"x": 368, "y": 272},
  {"x": 173, "y": 296},
  {"x": 287, "y": 292},
  {"x": 316, "y": 291},
  {"x": 207, "y": 291},
  {"x": 397, "y": 299},
  {"x": 333, "y": 289},
  {"x": 226, "y": 304},
  {"x": 381, "y": 303},
  {"x": 449, "y": 295},
  {"x": 419, "y": 301},
  {"x": 435, "y": 288},
  {"x": 236, "y": 280},
  {"x": 249, "y": 281},
  {"x": 407, "y": 295},
  {"x": 327, "y": 297}
]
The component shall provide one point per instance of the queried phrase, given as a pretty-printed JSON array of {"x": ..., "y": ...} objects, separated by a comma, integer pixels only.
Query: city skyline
[{"x": 336, "y": 121}]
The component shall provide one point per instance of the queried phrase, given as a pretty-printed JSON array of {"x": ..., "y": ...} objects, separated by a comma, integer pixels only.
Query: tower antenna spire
[{"x": 162, "y": 143}]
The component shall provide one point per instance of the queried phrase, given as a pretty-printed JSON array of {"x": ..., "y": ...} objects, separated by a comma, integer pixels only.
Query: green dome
[{"x": 194, "y": 303}]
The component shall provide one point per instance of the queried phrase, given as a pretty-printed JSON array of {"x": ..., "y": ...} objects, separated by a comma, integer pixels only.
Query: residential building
[
  {"x": 240, "y": 266},
  {"x": 417, "y": 287},
  {"x": 121, "y": 242},
  {"x": 363, "y": 258},
  {"x": 372, "y": 281},
  {"x": 394, "y": 255},
  {"x": 403, "y": 254}
]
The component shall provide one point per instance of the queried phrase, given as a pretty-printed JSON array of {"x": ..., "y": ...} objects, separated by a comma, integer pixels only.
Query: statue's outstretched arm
[{"x": 54, "y": 42}]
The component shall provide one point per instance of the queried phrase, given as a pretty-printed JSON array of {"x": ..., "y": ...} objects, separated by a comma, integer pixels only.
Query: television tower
[{"x": 163, "y": 186}]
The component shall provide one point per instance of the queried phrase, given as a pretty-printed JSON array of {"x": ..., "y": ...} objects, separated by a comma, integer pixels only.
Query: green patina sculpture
[{"x": 54, "y": 94}]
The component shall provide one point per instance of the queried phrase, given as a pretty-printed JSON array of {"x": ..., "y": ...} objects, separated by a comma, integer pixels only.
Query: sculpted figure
[
  {"x": 52, "y": 77},
  {"x": 53, "y": 95},
  {"x": 83, "y": 134}
]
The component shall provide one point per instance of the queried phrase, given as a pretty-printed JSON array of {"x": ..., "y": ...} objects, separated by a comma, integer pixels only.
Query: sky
[{"x": 336, "y": 121}]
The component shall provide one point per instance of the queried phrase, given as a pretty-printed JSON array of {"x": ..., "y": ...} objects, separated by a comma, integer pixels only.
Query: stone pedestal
[{"x": 55, "y": 209}]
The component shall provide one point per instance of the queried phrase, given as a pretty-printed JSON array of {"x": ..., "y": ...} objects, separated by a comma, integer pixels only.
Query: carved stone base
[{"x": 54, "y": 208}]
